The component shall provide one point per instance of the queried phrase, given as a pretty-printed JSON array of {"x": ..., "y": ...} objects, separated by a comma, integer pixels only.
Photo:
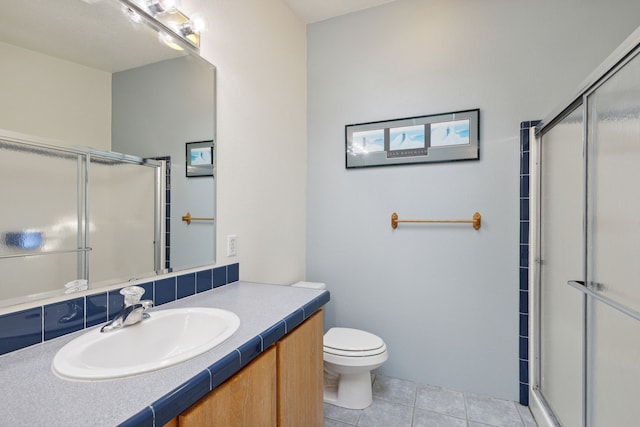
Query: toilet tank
[{"x": 311, "y": 285}]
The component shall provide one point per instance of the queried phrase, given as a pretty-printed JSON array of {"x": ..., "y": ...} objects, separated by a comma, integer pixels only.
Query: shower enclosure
[
  {"x": 76, "y": 214},
  {"x": 586, "y": 254}
]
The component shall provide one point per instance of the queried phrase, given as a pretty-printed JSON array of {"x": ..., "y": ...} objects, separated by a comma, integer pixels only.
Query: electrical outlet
[{"x": 232, "y": 245}]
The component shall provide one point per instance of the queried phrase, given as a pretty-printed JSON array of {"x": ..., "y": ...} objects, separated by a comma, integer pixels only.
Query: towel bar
[{"x": 476, "y": 221}]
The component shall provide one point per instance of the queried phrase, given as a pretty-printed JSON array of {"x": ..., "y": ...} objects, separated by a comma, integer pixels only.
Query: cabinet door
[
  {"x": 248, "y": 399},
  {"x": 300, "y": 375}
]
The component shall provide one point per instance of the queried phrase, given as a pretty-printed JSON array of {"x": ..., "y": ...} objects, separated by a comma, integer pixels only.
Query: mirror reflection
[{"x": 82, "y": 83}]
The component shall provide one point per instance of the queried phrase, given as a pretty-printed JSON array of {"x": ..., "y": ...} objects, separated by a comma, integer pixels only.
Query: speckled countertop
[{"x": 33, "y": 395}]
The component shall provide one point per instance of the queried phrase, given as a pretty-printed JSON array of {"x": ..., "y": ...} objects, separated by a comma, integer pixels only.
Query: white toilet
[{"x": 349, "y": 357}]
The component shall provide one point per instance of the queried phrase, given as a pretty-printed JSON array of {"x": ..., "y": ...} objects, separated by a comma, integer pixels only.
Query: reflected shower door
[
  {"x": 122, "y": 228},
  {"x": 561, "y": 309},
  {"x": 40, "y": 210},
  {"x": 613, "y": 249}
]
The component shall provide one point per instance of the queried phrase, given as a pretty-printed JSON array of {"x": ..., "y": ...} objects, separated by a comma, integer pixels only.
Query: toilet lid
[{"x": 341, "y": 340}]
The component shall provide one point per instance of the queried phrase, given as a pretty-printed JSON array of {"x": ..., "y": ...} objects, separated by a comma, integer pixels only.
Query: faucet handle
[{"x": 132, "y": 294}]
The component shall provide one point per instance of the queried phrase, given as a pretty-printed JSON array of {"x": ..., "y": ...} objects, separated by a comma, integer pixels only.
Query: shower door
[
  {"x": 613, "y": 250},
  {"x": 588, "y": 292},
  {"x": 561, "y": 309}
]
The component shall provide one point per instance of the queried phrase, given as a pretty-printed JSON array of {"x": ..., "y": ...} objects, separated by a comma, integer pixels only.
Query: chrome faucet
[{"x": 132, "y": 311}]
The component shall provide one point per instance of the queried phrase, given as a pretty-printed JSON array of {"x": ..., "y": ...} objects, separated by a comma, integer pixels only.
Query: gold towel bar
[
  {"x": 476, "y": 221},
  {"x": 188, "y": 218}
]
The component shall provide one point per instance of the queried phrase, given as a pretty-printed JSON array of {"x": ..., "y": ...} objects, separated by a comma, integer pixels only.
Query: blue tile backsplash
[
  {"x": 523, "y": 304},
  {"x": 28, "y": 327}
]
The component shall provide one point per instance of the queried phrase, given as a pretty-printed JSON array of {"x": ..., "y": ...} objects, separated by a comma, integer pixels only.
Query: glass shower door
[
  {"x": 561, "y": 315},
  {"x": 613, "y": 250}
]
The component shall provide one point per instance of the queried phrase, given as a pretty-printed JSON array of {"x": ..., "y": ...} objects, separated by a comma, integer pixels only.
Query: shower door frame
[
  {"x": 84, "y": 156},
  {"x": 543, "y": 414}
]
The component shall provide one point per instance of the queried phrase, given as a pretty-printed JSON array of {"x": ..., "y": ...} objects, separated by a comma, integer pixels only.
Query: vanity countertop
[{"x": 33, "y": 395}]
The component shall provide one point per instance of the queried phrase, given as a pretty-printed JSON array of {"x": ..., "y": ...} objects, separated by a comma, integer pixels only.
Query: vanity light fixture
[
  {"x": 173, "y": 26},
  {"x": 157, "y": 7}
]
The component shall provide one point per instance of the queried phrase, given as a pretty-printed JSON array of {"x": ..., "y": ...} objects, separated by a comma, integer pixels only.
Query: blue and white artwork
[
  {"x": 367, "y": 141},
  {"x": 406, "y": 137},
  {"x": 446, "y": 137},
  {"x": 450, "y": 133},
  {"x": 201, "y": 156}
]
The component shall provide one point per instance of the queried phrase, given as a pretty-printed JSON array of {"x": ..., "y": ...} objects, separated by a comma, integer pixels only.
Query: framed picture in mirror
[{"x": 199, "y": 158}]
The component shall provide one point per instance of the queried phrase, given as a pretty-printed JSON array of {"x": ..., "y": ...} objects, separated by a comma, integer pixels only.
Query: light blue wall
[
  {"x": 444, "y": 298},
  {"x": 157, "y": 109}
]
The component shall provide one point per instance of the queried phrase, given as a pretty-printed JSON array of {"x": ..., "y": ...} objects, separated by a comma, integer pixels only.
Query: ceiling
[
  {"x": 85, "y": 32},
  {"x": 318, "y": 10}
]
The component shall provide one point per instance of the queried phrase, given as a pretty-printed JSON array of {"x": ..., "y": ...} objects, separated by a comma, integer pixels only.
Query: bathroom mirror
[{"x": 89, "y": 73}]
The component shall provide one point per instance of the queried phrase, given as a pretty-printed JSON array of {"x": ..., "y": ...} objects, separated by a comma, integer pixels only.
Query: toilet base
[{"x": 353, "y": 391}]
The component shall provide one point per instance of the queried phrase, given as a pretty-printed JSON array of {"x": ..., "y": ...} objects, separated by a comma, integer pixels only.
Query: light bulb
[{"x": 198, "y": 23}]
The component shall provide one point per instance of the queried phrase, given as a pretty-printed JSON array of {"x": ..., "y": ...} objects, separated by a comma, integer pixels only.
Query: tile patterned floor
[{"x": 400, "y": 403}]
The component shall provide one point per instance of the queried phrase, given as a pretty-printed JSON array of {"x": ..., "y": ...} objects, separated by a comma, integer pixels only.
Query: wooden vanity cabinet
[
  {"x": 300, "y": 375},
  {"x": 281, "y": 387},
  {"x": 246, "y": 399}
]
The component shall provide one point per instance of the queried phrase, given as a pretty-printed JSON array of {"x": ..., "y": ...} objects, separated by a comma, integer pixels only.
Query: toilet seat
[{"x": 348, "y": 342}]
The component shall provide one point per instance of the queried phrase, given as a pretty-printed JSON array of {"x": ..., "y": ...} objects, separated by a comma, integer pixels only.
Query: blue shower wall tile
[
  {"x": 524, "y": 209},
  {"x": 219, "y": 276},
  {"x": 20, "y": 329},
  {"x": 524, "y": 394},
  {"x": 524, "y": 186},
  {"x": 524, "y": 163},
  {"x": 204, "y": 280},
  {"x": 524, "y": 279},
  {"x": 524, "y": 348},
  {"x": 524, "y": 139},
  {"x": 524, "y": 232},
  {"x": 524, "y": 371},
  {"x": 524, "y": 255},
  {"x": 186, "y": 285},
  {"x": 524, "y": 302},
  {"x": 63, "y": 318},
  {"x": 524, "y": 325},
  {"x": 96, "y": 309},
  {"x": 165, "y": 290}
]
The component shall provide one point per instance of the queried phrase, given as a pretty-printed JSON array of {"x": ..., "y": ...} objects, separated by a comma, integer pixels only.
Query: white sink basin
[{"x": 168, "y": 337}]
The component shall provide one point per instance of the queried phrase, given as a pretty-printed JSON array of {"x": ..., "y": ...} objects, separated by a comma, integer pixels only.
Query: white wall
[
  {"x": 259, "y": 50},
  {"x": 444, "y": 298},
  {"x": 54, "y": 99}
]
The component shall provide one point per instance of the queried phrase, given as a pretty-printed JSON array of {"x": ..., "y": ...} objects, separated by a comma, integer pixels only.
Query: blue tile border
[
  {"x": 144, "y": 418},
  {"x": 224, "y": 368},
  {"x": 523, "y": 281},
  {"x": 21, "y": 329},
  {"x": 181, "y": 398},
  {"x": 38, "y": 324},
  {"x": 63, "y": 318}
]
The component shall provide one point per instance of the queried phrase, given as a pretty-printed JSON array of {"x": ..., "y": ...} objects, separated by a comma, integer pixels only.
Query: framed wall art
[
  {"x": 199, "y": 158},
  {"x": 443, "y": 137}
]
